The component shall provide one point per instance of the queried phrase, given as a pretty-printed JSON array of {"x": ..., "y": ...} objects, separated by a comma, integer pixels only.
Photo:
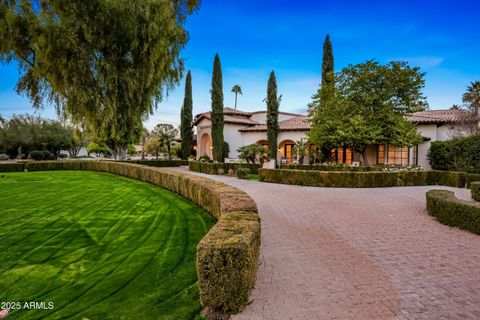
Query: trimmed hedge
[
  {"x": 472, "y": 177},
  {"x": 212, "y": 168},
  {"x": 159, "y": 163},
  {"x": 322, "y": 167},
  {"x": 227, "y": 257},
  {"x": 475, "y": 190},
  {"x": 362, "y": 179},
  {"x": 449, "y": 210}
]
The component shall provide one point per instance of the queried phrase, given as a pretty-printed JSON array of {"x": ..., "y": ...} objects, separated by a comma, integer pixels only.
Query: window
[
  {"x": 342, "y": 155},
  {"x": 399, "y": 156}
]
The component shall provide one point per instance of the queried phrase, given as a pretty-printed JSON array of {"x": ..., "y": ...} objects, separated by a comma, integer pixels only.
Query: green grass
[{"x": 98, "y": 246}]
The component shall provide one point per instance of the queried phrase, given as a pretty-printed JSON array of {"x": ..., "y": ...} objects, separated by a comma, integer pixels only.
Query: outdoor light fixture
[{"x": 211, "y": 147}]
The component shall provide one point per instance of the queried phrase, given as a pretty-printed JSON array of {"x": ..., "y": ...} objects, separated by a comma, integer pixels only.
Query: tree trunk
[{"x": 235, "y": 101}]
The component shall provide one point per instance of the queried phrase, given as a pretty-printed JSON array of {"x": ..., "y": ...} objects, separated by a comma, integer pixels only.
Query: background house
[{"x": 244, "y": 128}]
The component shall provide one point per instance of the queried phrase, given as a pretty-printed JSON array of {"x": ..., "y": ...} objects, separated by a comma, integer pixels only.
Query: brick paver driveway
[{"x": 331, "y": 253}]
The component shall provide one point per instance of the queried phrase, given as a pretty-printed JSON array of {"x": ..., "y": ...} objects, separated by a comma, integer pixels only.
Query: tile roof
[
  {"x": 229, "y": 116},
  {"x": 298, "y": 123},
  {"x": 437, "y": 116}
]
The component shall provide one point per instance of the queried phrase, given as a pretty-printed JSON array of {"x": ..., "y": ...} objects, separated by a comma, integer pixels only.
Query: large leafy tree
[
  {"x": 186, "y": 119},
  {"x": 165, "y": 133},
  {"x": 472, "y": 97},
  {"x": 101, "y": 62},
  {"x": 237, "y": 90},
  {"x": 217, "y": 110},
  {"x": 273, "y": 105},
  {"x": 369, "y": 107}
]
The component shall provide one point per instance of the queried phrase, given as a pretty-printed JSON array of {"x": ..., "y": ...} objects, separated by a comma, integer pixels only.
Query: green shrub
[
  {"x": 475, "y": 190},
  {"x": 324, "y": 167},
  {"x": 212, "y": 168},
  {"x": 227, "y": 260},
  {"x": 439, "y": 156},
  {"x": 12, "y": 167},
  {"x": 242, "y": 173},
  {"x": 449, "y": 210},
  {"x": 47, "y": 155},
  {"x": 44, "y": 165},
  {"x": 159, "y": 163},
  {"x": 37, "y": 155},
  {"x": 346, "y": 179},
  {"x": 62, "y": 156},
  {"x": 204, "y": 158},
  {"x": 459, "y": 154},
  {"x": 4, "y": 157},
  {"x": 471, "y": 177}
]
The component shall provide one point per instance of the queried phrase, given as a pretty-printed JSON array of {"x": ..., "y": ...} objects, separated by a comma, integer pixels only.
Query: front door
[{"x": 288, "y": 153}]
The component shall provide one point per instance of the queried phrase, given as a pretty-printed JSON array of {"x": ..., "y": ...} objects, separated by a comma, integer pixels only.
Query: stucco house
[{"x": 244, "y": 128}]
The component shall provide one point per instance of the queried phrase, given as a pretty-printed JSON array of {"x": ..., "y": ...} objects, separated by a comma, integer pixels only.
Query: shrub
[
  {"x": 454, "y": 212},
  {"x": 439, "y": 156},
  {"x": 250, "y": 152},
  {"x": 471, "y": 177},
  {"x": 204, "y": 158},
  {"x": 475, "y": 190},
  {"x": 63, "y": 156},
  {"x": 4, "y": 157},
  {"x": 242, "y": 173},
  {"x": 47, "y": 155},
  {"x": 212, "y": 168},
  {"x": 329, "y": 167},
  {"x": 460, "y": 154},
  {"x": 11, "y": 167},
  {"x": 37, "y": 155},
  {"x": 343, "y": 179},
  {"x": 159, "y": 163}
]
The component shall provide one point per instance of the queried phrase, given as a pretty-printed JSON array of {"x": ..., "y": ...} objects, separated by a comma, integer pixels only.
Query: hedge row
[
  {"x": 363, "y": 179},
  {"x": 322, "y": 167},
  {"x": 475, "y": 190},
  {"x": 449, "y": 210},
  {"x": 212, "y": 168},
  {"x": 472, "y": 177},
  {"x": 159, "y": 163},
  {"x": 227, "y": 257}
]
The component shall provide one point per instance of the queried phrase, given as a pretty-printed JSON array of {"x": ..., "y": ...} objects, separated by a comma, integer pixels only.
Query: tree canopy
[
  {"x": 273, "y": 105},
  {"x": 472, "y": 97},
  {"x": 369, "y": 107},
  {"x": 104, "y": 63}
]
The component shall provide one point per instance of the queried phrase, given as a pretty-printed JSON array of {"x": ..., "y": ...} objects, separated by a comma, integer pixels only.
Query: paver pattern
[{"x": 331, "y": 253}]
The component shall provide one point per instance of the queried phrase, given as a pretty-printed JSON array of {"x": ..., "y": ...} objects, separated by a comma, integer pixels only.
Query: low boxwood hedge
[
  {"x": 475, "y": 190},
  {"x": 159, "y": 163},
  {"x": 322, "y": 167},
  {"x": 472, "y": 177},
  {"x": 212, "y": 168},
  {"x": 362, "y": 179},
  {"x": 227, "y": 257},
  {"x": 443, "y": 205}
]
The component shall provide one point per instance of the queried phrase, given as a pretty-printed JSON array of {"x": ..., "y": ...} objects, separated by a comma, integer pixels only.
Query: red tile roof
[
  {"x": 438, "y": 116},
  {"x": 229, "y": 116},
  {"x": 298, "y": 123}
]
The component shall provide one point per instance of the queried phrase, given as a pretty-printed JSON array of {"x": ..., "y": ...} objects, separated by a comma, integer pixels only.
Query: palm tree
[
  {"x": 236, "y": 89},
  {"x": 472, "y": 97}
]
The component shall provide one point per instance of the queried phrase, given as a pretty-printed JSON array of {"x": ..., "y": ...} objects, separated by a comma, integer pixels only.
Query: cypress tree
[
  {"x": 217, "y": 110},
  {"x": 327, "y": 90},
  {"x": 186, "y": 119},
  {"x": 273, "y": 103}
]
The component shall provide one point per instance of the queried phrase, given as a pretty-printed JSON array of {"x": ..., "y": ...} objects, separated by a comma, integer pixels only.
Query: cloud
[{"x": 425, "y": 62}]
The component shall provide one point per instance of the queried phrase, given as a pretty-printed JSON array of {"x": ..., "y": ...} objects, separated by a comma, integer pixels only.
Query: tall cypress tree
[
  {"x": 186, "y": 119},
  {"x": 217, "y": 110},
  {"x": 328, "y": 77},
  {"x": 273, "y": 103}
]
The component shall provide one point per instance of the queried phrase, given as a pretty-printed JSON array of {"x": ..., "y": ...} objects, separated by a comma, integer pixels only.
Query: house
[{"x": 244, "y": 128}]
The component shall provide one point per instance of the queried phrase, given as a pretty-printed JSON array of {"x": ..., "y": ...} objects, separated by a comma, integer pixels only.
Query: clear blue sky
[{"x": 253, "y": 37}]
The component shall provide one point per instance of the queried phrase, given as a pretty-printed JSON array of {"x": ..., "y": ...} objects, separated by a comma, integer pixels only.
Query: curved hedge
[
  {"x": 212, "y": 168},
  {"x": 342, "y": 179},
  {"x": 322, "y": 167},
  {"x": 449, "y": 210},
  {"x": 475, "y": 190},
  {"x": 159, "y": 163},
  {"x": 227, "y": 257}
]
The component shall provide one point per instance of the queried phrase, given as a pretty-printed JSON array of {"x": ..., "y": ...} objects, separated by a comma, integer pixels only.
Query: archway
[
  {"x": 205, "y": 145},
  {"x": 285, "y": 151}
]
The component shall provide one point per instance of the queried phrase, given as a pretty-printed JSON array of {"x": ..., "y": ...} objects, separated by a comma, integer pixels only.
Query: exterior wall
[
  {"x": 234, "y": 138},
  {"x": 427, "y": 131},
  {"x": 203, "y": 127}
]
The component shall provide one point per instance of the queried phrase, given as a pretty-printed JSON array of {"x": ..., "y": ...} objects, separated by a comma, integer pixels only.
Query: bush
[
  {"x": 212, "y": 168},
  {"x": 345, "y": 179},
  {"x": 47, "y": 155},
  {"x": 439, "y": 156},
  {"x": 159, "y": 163},
  {"x": 326, "y": 167},
  {"x": 4, "y": 157},
  {"x": 11, "y": 167},
  {"x": 204, "y": 158},
  {"x": 454, "y": 212},
  {"x": 37, "y": 155},
  {"x": 63, "y": 156},
  {"x": 475, "y": 190},
  {"x": 242, "y": 173},
  {"x": 472, "y": 177},
  {"x": 459, "y": 154}
]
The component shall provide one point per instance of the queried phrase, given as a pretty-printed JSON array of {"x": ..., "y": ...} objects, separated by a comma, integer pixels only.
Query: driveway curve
[{"x": 336, "y": 253}]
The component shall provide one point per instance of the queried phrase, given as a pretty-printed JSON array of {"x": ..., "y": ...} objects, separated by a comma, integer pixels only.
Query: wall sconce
[
  {"x": 195, "y": 148},
  {"x": 279, "y": 150},
  {"x": 211, "y": 147}
]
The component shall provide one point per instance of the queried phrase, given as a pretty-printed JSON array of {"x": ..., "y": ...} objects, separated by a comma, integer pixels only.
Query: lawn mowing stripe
[{"x": 116, "y": 267}]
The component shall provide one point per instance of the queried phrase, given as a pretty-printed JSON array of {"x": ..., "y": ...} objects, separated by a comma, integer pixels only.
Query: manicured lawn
[{"x": 98, "y": 246}]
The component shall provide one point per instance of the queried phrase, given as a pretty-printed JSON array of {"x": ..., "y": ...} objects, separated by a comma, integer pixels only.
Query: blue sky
[{"x": 254, "y": 37}]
